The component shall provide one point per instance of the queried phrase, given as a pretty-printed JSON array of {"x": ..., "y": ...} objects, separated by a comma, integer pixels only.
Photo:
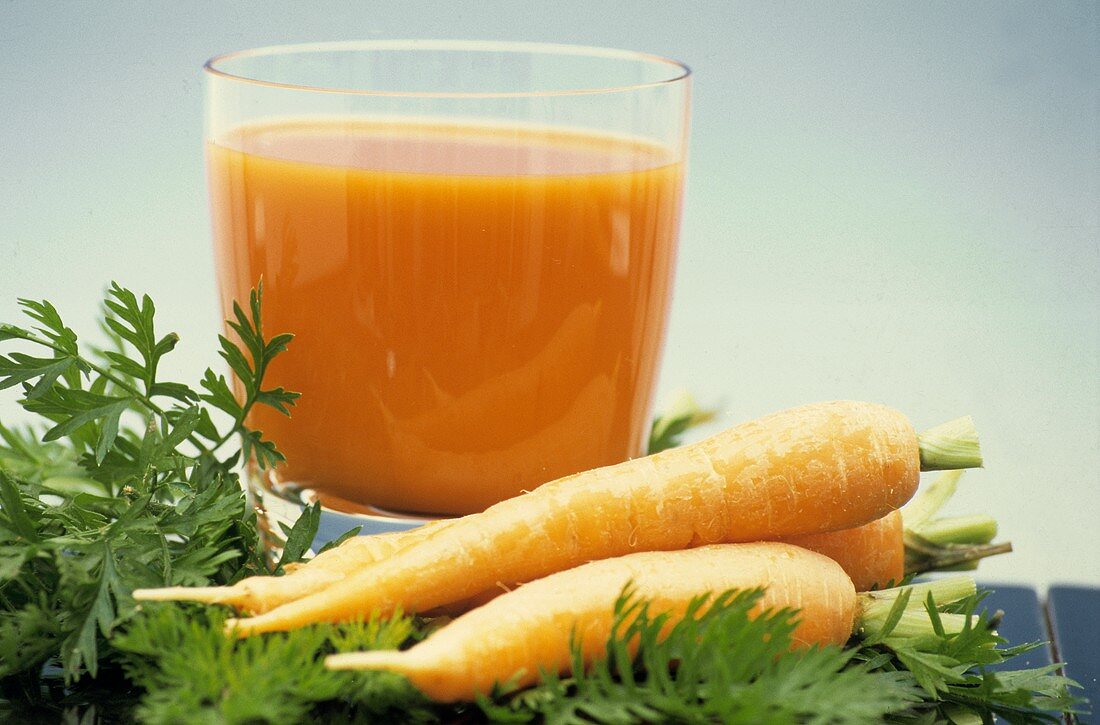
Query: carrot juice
[{"x": 477, "y": 309}]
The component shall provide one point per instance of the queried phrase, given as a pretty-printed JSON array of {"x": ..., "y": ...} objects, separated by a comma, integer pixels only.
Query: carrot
[
  {"x": 875, "y": 555},
  {"x": 872, "y": 555},
  {"x": 262, "y": 593},
  {"x": 910, "y": 541},
  {"x": 523, "y": 632},
  {"x": 879, "y": 554},
  {"x": 817, "y": 468}
]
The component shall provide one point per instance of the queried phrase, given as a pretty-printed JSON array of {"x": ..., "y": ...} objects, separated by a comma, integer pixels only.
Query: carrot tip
[
  {"x": 380, "y": 660},
  {"x": 208, "y": 595},
  {"x": 237, "y": 628}
]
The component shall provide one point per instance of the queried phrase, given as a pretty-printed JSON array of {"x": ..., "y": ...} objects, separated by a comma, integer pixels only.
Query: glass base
[{"x": 278, "y": 505}]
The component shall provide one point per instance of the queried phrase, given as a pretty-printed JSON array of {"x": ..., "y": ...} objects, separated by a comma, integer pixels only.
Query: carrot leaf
[
  {"x": 127, "y": 480},
  {"x": 946, "y": 544},
  {"x": 192, "y": 673},
  {"x": 962, "y": 671},
  {"x": 670, "y": 424}
]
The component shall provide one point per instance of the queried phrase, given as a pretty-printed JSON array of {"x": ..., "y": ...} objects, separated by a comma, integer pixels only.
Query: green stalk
[
  {"x": 945, "y": 544},
  {"x": 901, "y": 612},
  {"x": 973, "y": 529},
  {"x": 922, "y": 555},
  {"x": 950, "y": 446},
  {"x": 930, "y": 499}
]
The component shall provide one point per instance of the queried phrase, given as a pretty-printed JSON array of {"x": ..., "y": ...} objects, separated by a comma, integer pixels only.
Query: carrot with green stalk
[
  {"x": 882, "y": 553},
  {"x": 807, "y": 470},
  {"x": 906, "y": 541},
  {"x": 873, "y": 553},
  {"x": 910, "y": 541},
  {"x": 518, "y": 635},
  {"x": 874, "y": 556}
]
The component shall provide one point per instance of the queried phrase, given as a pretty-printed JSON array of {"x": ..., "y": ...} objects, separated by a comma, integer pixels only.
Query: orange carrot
[
  {"x": 261, "y": 593},
  {"x": 873, "y": 555},
  {"x": 523, "y": 632},
  {"x": 530, "y": 628},
  {"x": 884, "y": 551},
  {"x": 817, "y": 468}
]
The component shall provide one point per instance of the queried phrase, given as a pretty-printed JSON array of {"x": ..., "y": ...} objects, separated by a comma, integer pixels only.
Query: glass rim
[{"x": 679, "y": 71}]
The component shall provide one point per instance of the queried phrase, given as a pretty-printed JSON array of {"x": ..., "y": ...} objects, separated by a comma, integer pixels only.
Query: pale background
[{"x": 887, "y": 201}]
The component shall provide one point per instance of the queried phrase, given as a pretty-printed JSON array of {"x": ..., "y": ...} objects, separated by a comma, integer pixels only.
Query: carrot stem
[
  {"x": 974, "y": 529},
  {"x": 930, "y": 499},
  {"x": 944, "y": 544},
  {"x": 950, "y": 446},
  {"x": 900, "y": 612},
  {"x": 922, "y": 555}
]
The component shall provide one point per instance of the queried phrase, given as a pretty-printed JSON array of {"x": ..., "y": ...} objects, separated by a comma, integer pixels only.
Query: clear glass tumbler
[{"x": 473, "y": 244}]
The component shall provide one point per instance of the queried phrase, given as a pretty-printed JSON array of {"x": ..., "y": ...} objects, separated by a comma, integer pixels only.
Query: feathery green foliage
[
  {"x": 962, "y": 674},
  {"x": 717, "y": 664},
  {"x": 133, "y": 484},
  {"x": 192, "y": 673},
  {"x": 669, "y": 426}
]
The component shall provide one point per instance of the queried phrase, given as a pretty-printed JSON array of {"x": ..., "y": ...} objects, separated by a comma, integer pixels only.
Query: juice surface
[{"x": 477, "y": 310}]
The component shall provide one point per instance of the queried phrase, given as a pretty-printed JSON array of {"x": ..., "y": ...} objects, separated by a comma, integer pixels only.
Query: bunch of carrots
[{"x": 803, "y": 503}]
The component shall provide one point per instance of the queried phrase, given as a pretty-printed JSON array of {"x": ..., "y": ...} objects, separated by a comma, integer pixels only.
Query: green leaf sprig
[
  {"x": 133, "y": 483},
  {"x": 669, "y": 426},
  {"x": 963, "y": 677},
  {"x": 192, "y": 673}
]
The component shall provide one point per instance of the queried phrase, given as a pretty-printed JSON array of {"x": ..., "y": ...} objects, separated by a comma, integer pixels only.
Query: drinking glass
[{"x": 473, "y": 244}]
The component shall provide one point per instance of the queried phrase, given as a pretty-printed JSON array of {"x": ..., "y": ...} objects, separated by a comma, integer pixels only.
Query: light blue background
[{"x": 887, "y": 201}]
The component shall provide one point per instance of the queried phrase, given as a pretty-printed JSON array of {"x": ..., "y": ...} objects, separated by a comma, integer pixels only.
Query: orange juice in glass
[{"x": 473, "y": 244}]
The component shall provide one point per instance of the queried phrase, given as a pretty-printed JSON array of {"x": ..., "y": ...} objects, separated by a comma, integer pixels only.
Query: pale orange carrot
[
  {"x": 873, "y": 555},
  {"x": 817, "y": 468},
  {"x": 529, "y": 628},
  {"x": 909, "y": 541},
  {"x": 517, "y": 635},
  {"x": 259, "y": 594}
]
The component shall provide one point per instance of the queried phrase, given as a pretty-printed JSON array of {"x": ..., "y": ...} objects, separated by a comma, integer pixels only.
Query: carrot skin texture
[
  {"x": 806, "y": 470},
  {"x": 873, "y": 555},
  {"x": 267, "y": 592},
  {"x": 529, "y": 628},
  {"x": 261, "y": 593}
]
